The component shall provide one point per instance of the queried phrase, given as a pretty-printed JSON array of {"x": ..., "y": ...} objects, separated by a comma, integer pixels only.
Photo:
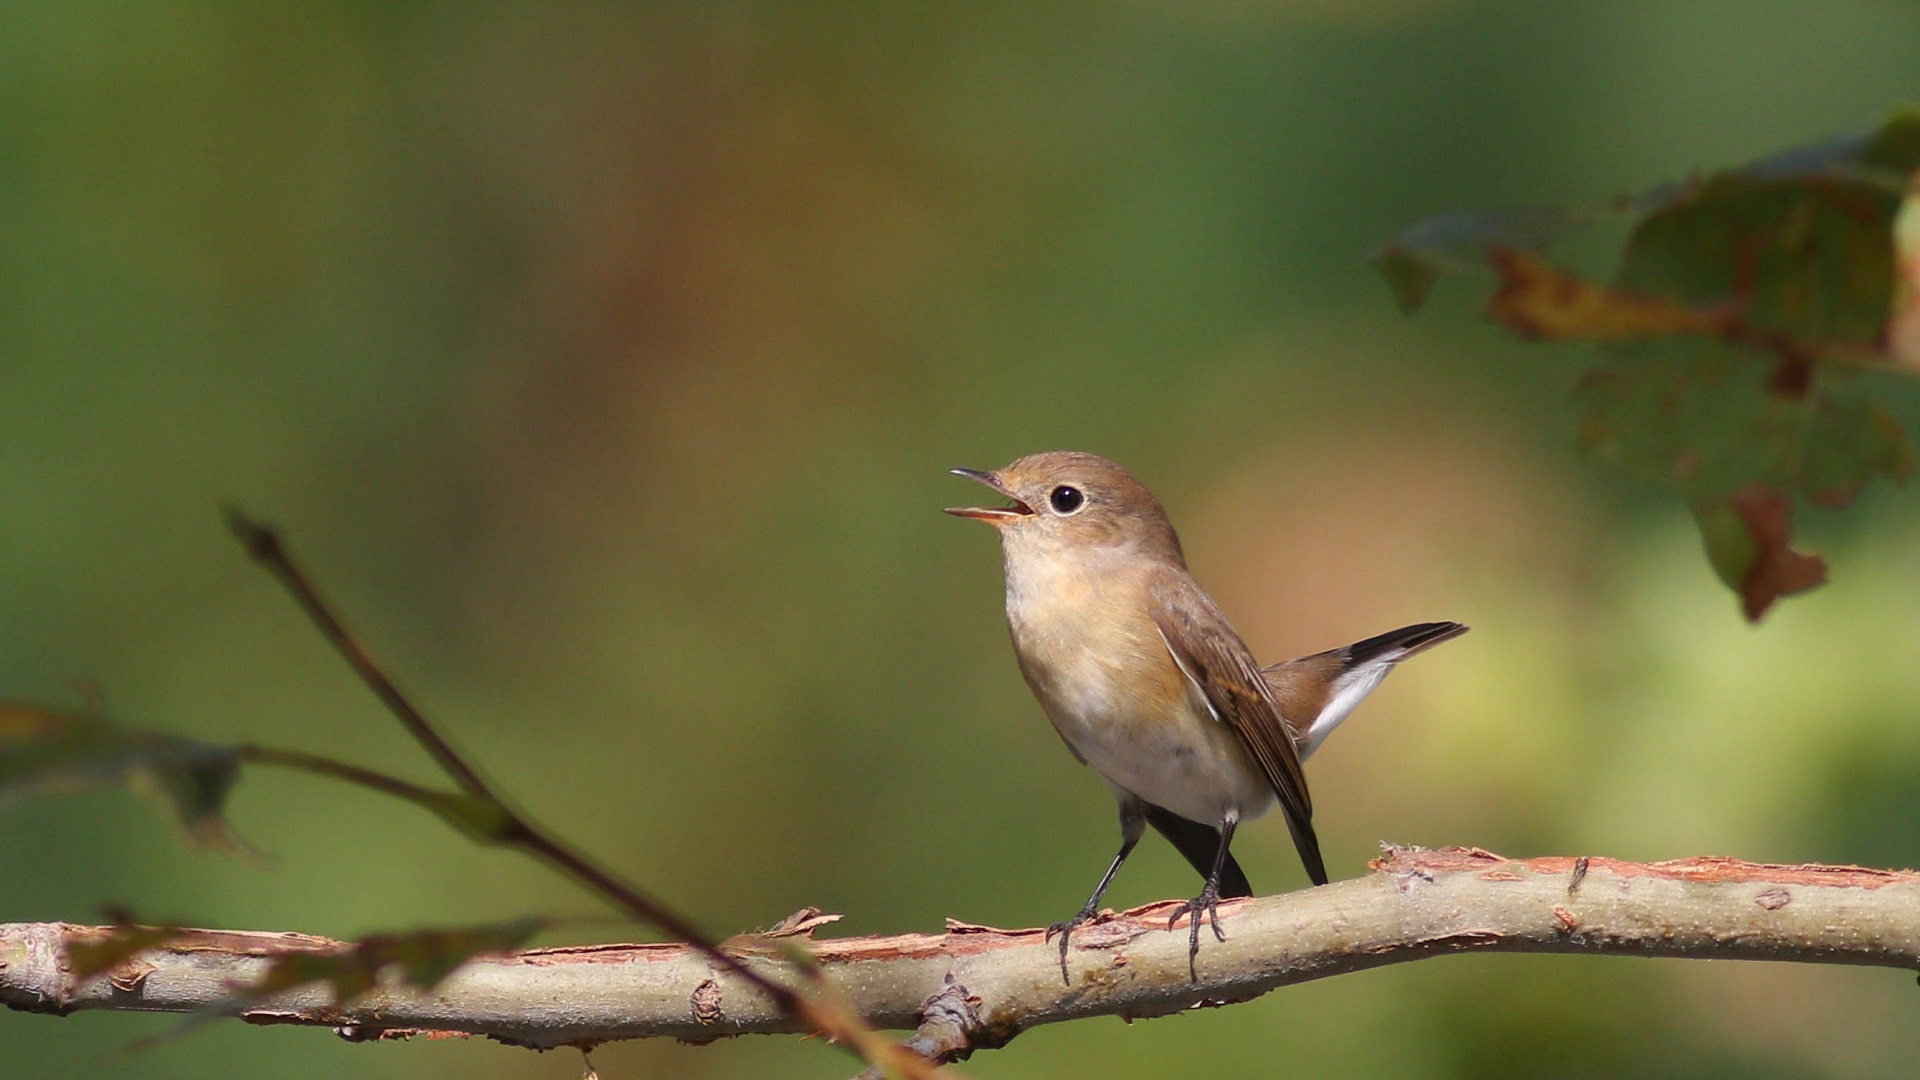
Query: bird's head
[{"x": 1065, "y": 500}]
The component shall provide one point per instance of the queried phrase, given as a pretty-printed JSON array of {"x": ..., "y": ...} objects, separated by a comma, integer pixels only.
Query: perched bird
[{"x": 1146, "y": 681}]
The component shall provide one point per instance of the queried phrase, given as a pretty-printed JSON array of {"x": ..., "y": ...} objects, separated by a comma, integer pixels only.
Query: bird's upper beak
[{"x": 995, "y": 515}]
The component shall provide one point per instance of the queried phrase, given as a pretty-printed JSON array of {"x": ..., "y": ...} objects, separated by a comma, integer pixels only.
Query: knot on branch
[{"x": 950, "y": 1028}]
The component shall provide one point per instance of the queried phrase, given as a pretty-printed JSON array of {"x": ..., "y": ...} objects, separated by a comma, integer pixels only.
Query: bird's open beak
[{"x": 995, "y": 515}]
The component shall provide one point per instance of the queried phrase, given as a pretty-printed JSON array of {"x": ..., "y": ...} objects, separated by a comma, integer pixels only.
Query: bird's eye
[{"x": 1066, "y": 499}]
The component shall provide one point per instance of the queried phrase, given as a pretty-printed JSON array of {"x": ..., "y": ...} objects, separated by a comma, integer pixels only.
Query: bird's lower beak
[{"x": 996, "y": 515}]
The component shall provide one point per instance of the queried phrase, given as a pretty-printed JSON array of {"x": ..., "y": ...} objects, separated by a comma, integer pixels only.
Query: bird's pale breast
[{"x": 1097, "y": 663}]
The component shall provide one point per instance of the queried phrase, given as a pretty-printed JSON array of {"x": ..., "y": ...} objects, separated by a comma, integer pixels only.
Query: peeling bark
[{"x": 975, "y": 987}]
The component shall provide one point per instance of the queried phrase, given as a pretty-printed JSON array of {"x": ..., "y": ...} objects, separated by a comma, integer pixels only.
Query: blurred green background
[{"x": 605, "y": 362}]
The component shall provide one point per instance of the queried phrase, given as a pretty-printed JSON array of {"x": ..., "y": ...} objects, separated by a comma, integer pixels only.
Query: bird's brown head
[{"x": 1069, "y": 499}]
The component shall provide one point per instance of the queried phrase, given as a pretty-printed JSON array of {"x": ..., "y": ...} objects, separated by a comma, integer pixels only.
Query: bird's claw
[
  {"x": 1065, "y": 930},
  {"x": 1207, "y": 904}
]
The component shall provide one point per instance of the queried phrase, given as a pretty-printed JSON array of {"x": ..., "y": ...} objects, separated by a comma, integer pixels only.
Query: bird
[{"x": 1146, "y": 681}]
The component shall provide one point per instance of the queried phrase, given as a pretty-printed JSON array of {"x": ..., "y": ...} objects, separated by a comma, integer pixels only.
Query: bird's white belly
[{"x": 1169, "y": 752}]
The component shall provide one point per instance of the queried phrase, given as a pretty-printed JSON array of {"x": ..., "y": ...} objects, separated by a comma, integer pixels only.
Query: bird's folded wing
[{"x": 1217, "y": 662}]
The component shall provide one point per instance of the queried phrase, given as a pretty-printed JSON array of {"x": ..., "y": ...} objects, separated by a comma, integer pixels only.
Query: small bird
[{"x": 1147, "y": 682}]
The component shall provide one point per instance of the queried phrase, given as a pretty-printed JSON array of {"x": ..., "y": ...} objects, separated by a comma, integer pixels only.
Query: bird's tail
[
  {"x": 1316, "y": 692},
  {"x": 1199, "y": 844}
]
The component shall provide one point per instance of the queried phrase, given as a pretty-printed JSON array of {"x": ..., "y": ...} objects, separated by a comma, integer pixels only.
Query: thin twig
[
  {"x": 264, "y": 545},
  {"x": 517, "y": 830},
  {"x": 255, "y": 754},
  {"x": 509, "y": 827}
]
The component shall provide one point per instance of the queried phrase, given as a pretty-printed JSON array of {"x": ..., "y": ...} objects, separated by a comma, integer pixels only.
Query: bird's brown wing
[{"x": 1218, "y": 664}]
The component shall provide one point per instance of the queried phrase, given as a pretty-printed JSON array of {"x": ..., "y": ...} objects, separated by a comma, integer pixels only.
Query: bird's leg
[
  {"x": 1133, "y": 822},
  {"x": 1208, "y": 902}
]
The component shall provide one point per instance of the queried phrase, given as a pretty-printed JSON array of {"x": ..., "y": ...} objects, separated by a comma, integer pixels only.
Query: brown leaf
[
  {"x": 115, "y": 952},
  {"x": 420, "y": 958},
  {"x": 1539, "y": 300},
  {"x": 1747, "y": 537},
  {"x": 1779, "y": 570}
]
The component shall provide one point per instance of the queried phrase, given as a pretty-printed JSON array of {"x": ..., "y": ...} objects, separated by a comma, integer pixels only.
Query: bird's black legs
[
  {"x": 1132, "y": 823},
  {"x": 1186, "y": 835},
  {"x": 1208, "y": 902}
]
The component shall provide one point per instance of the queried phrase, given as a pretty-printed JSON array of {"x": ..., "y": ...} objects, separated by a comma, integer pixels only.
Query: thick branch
[{"x": 997, "y": 983}]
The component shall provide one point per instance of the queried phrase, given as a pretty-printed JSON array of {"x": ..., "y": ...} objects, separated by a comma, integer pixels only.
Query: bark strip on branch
[{"x": 986, "y": 985}]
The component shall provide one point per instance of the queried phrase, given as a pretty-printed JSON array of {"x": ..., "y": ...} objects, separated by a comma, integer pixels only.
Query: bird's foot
[
  {"x": 1065, "y": 930},
  {"x": 1207, "y": 904}
]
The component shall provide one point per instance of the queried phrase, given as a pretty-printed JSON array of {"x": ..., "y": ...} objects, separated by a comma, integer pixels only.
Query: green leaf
[
  {"x": 1715, "y": 424},
  {"x": 1885, "y": 155},
  {"x": 44, "y": 749},
  {"x": 1848, "y": 443},
  {"x": 1699, "y": 417},
  {"x": 1409, "y": 274},
  {"x": 1743, "y": 303},
  {"x": 1809, "y": 257},
  {"x": 1455, "y": 242}
]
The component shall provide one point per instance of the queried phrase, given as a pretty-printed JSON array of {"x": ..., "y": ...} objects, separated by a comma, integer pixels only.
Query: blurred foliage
[
  {"x": 1743, "y": 302},
  {"x": 420, "y": 958},
  {"x": 49, "y": 750},
  {"x": 605, "y": 360}
]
